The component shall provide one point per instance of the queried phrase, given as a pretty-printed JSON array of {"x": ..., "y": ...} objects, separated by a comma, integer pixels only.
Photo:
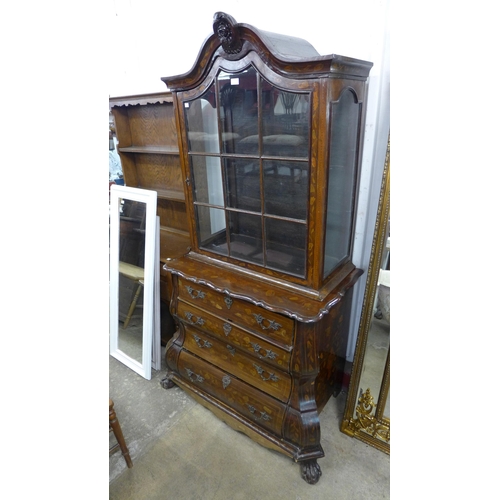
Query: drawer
[
  {"x": 228, "y": 331},
  {"x": 244, "y": 399},
  {"x": 270, "y": 324},
  {"x": 253, "y": 371}
]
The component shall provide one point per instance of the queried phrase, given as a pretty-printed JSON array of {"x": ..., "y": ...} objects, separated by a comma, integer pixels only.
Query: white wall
[{"x": 154, "y": 38}]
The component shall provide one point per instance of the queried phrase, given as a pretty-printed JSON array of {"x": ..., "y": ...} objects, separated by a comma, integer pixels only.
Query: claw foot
[
  {"x": 310, "y": 471},
  {"x": 166, "y": 383}
]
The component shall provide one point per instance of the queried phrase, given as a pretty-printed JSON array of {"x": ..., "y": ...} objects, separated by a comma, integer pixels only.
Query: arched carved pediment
[{"x": 285, "y": 55}]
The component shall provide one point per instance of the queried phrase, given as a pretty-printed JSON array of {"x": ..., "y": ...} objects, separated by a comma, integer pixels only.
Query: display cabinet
[{"x": 269, "y": 139}]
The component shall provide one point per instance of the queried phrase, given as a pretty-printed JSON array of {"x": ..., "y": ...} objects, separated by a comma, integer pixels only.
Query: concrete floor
[{"x": 182, "y": 451}]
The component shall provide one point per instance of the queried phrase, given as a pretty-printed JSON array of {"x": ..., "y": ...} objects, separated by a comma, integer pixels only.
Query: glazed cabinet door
[{"x": 249, "y": 162}]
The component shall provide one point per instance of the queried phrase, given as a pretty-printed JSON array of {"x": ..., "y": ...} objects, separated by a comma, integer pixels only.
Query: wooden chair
[{"x": 114, "y": 426}]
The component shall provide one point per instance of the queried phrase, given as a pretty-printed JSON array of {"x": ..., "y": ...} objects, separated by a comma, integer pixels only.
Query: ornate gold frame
[{"x": 363, "y": 417}]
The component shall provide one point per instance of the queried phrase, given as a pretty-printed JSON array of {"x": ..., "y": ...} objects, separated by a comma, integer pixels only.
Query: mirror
[
  {"x": 367, "y": 411},
  {"x": 133, "y": 277}
]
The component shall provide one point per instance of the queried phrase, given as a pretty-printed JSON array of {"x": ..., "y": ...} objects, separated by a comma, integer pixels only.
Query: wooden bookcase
[{"x": 149, "y": 153}]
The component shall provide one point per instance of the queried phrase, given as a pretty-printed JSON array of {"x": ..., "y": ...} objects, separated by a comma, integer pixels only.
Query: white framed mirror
[
  {"x": 132, "y": 267},
  {"x": 156, "y": 361}
]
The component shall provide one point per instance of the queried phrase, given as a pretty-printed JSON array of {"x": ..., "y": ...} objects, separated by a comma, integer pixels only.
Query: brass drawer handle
[
  {"x": 226, "y": 380},
  {"x": 263, "y": 414},
  {"x": 227, "y": 329},
  {"x": 269, "y": 354},
  {"x": 194, "y": 377},
  {"x": 261, "y": 372},
  {"x": 272, "y": 325},
  {"x": 205, "y": 343},
  {"x": 195, "y": 294},
  {"x": 231, "y": 349},
  {"x": 189, "y": 316}
]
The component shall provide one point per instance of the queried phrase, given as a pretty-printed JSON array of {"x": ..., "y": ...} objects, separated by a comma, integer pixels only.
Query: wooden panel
[
  {"x": 165, "y": 291},
  {"x": 332, "y": 347},
  {"x": 172, "y": 214},
  {"x": 251, "y": 403},
  {"x": 129, "y": 170},
  {"x": 253, "y": 371},
  {"x": 157, "y": 171},
  {"x": 173, "y": 244},
  {"x": 122, "y": 128},
  {"x": 229, "y": 332},
  {"x": 152, "y": 125}
]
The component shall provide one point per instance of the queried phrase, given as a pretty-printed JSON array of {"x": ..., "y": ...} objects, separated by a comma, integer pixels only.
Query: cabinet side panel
[
  {"x": 316, "y": 187},
  {"x": 129, "y": 169},
  {"x": 122, "y": 126},
  {"x": 301, "y": 425},
  {"x": 332, "y": 348},
  {"x": 124, "y": 137}
]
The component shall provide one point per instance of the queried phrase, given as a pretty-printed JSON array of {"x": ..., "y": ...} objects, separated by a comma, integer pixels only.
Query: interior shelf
[
  {"x": 162, "y": 150},
  {"x": 170, "y": 194}
]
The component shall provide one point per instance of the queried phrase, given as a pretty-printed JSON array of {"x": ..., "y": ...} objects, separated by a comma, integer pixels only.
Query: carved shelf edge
[
  {"x": 142, "y": 99},
  {"x": 295, "y": 309}
]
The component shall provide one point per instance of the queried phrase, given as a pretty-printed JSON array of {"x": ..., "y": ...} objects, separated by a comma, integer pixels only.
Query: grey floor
[{"x": 182, "y": 451}]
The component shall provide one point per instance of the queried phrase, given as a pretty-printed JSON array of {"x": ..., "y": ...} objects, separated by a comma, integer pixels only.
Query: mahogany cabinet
[{"x": 269, "y": 138}]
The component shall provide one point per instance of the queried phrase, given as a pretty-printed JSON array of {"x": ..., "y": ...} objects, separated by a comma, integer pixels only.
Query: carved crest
[{"x": 225, "y": 28}]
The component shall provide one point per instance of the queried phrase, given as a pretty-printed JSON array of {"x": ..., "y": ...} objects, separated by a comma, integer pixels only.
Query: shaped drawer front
[
  {"x": 229, "y": 332},
  {"x": 232, "y": 360},
  {"x": 275, "y": 326},
  {"x": 246, "y": 400}
]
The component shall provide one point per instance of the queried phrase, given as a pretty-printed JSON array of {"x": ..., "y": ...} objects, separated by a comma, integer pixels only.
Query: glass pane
[
  {"x": 239, "y": 111},
  {"x": 286, "y": 246},
  {"x": 286, "y": 185},
  {"x": 243, "y": 184},
  {"x": 207, "y": 180},
  {"x": 201, "y": 123},
  {"x": 131, "y": 277},
  {"x": 211, "y": 227},
  {"x": 246, "y": 237},
  {"x": 341, "y": 180},
  {"x": 285, "y": 123}
]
